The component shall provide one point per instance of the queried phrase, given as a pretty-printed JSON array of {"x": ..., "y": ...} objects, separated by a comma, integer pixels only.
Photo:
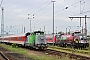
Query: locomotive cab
[
  {"x": 36, "y": 40},
  {"x": 58, "y": 39},
  {"x": 63, "y": 40},
  {"x": 40, "y": 41},
  {"x": 81, "y": 41}
]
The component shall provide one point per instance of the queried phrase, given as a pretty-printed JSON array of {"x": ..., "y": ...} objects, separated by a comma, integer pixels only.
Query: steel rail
[
  {"x": 1, "y": 53},
  {"x": 54, "y": 52}
]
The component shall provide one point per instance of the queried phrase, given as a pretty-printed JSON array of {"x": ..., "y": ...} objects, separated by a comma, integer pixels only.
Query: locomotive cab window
[
  {"x": 42, "y": 38},
  {"x": 37, "y": 33},
  {"x": 49, "y": 38},
  {"x": 63, "y": 37},
  {"x": 82, "y": 37}
]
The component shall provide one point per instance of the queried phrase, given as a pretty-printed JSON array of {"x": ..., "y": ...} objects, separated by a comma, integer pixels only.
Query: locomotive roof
[
  {"x": 66, "y": 35},
  {"x": 14, "y": 35},
  {"x": 80, "y": 34}
]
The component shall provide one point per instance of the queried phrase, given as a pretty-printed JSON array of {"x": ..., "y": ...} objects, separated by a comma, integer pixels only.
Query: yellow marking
[{"x": 36, "y": 47}]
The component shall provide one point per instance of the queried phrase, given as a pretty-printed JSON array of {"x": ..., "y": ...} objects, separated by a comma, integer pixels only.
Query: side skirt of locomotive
[
  {"x": 41, "y": 46},
  {"x": 81, "y": 45},
  {"x": 74, "y": 45},
  {"x": 37, "y": 46}
]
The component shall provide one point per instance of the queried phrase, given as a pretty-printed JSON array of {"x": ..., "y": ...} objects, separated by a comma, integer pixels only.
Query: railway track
[
  {"x": 84, "y": 51},
  {"x": 60, "y": 54},
  {"x": 72, "y": 56},
  {"x": 3, "y": 57}
]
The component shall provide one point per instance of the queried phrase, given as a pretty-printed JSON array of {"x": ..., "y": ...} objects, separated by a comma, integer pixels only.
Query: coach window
[
  {"x": 11, "y": 38},
  {"x": 20, "y": 38},
  {"x": 5, "y": 38}
]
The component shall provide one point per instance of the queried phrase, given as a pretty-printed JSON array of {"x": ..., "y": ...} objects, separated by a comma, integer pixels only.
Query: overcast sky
[{"x": 16, "y": 14}]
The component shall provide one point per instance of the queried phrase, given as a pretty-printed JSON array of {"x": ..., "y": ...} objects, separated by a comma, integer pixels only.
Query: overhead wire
[
  {"x": 40, "y": 11},
  {"x": 82, "y": 12},
  {"x": 73, "y": 5},
  {"x": 42, "y": 8},
  {"x": 61, "y": 11},
  {"x": 46, "y": 9},
  {"x": 68, "y": 6},
  {"x": 48, "y": 15},
  {"x": 1, "y": 3},
  {"x": 55, "y": 13},
  {"x": 39, "y": 6},
  {"x": 83, "y": 6}
]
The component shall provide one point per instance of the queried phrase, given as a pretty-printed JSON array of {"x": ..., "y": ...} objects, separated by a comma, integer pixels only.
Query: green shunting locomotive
[{"x": 36, "y": 40}]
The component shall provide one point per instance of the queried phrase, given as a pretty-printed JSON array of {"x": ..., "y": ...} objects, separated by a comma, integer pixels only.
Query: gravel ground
[{"x": 13, "y": 56}]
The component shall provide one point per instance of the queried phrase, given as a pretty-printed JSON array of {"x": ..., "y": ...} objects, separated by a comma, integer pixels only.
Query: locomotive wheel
[{"x": 45, "y": 48}]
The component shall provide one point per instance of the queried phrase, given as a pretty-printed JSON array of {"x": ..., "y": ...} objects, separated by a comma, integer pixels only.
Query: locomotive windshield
[
  {"x": 38, "y": 33},
  {"x": 63, "y": 37},
  {"x": 48, "y": 38},
  {"x": 58, "y": 37},
  {"x": 82, "y": 37}
]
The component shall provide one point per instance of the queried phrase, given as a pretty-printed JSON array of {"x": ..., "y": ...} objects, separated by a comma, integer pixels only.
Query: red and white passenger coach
[{"x": 18, "y": 39}]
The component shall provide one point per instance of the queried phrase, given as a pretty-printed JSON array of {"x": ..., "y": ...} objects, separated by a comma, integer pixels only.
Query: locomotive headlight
[{"x": 38, "y": 45}]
